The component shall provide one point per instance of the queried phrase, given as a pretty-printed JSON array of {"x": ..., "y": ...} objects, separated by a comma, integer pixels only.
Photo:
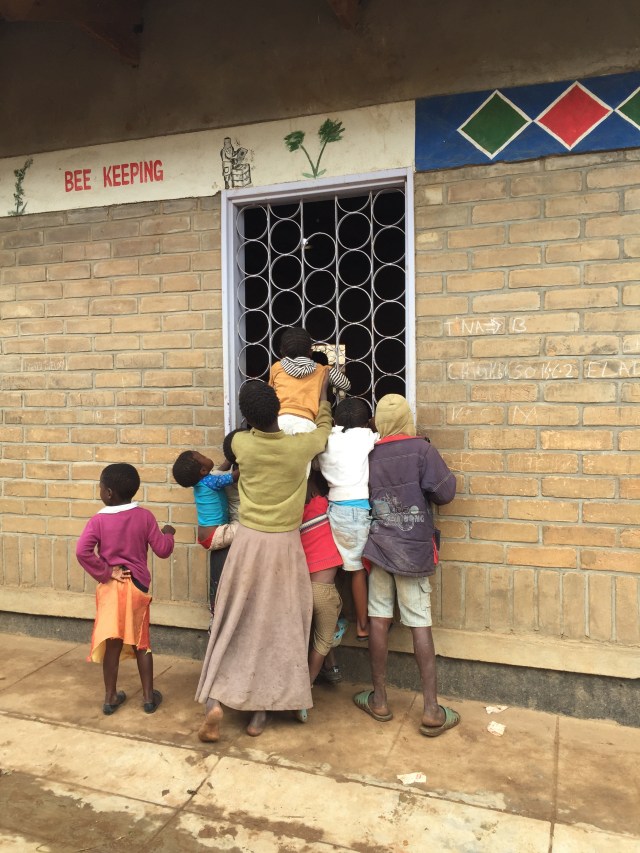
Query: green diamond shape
[
  {"x": 631, "y": 108},
  {"x": 495, "y": 123}
]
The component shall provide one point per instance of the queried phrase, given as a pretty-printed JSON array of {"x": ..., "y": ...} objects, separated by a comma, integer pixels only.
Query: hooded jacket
[{"x": 406, "y": 474}]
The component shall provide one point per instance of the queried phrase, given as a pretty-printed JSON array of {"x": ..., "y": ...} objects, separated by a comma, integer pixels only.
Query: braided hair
[
  {"x": 295, "y": 341},
  {"x": 259, "y": 404},
  {"x": 352, "y": 412}
]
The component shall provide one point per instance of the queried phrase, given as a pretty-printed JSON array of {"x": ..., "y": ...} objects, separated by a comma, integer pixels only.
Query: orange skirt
[{"x": 122, "y": 613}]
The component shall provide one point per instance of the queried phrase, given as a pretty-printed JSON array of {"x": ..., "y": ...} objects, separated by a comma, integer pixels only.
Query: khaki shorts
[
  {"x": 327, "y": 605},
  {"x": 414, "y": 597}
]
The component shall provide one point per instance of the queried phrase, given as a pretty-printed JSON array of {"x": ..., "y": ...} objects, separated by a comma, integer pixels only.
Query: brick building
[{"x": 462, "y": 233}]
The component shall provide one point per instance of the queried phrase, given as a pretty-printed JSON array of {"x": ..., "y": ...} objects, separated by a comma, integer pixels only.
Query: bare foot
[
  {"x": 209, "y": 731},
  {"x": 257, "y": 724}
]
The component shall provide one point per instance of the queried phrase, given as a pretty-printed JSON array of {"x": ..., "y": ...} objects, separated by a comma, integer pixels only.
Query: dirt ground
[{"x": 72, "y": 779}]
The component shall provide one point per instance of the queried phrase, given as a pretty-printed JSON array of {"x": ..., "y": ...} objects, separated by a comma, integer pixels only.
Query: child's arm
[
  {"x": 161, "y": 541},
  {"x": 215, "y": 482},
  {"x": 86, "y": 554},
  {"x": 338, "y": 379},
  {"x": 437, "y": 481}
]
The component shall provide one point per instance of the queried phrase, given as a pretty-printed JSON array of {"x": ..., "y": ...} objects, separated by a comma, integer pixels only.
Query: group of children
[{"x": 334, "y": 528}]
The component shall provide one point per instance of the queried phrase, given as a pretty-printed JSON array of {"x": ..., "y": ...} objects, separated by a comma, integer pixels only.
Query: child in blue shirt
[{"x": 215, "y": 533}]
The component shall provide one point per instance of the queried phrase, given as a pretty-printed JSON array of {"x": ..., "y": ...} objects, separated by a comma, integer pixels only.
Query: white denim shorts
[
  {"x": 350, "y": 527},
  {"x": 414, "y": 597}
]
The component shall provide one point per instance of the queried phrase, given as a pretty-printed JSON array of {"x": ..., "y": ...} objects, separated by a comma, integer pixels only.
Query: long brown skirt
[{"x": 256, "y": 659}]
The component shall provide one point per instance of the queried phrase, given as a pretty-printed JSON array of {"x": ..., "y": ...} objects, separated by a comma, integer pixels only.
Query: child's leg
[
  {"x": 216, "y": 564},
  {"x": 110, "y": 664},
  {"x": 144, "y": 659},
  {"x": 359, "y": 593},
  {"x": 326, "y": 609}
]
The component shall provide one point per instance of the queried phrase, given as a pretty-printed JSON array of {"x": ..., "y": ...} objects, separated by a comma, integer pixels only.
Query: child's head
[
  {"x": 352, "y": 412},
  {"x": 190, "y": 467},
  {"x": 259, "y": 404},
  {"x": 118, "y": 484},
  {"x": 229, "y": 455},
  {"x": 316, "y": 485},
  {"x": 295, "y": 341}
]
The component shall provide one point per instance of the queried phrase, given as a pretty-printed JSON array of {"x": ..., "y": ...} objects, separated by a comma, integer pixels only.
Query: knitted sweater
[{"x": 273, "y": 473}]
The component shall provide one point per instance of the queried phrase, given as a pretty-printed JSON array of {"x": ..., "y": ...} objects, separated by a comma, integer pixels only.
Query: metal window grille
[{"x": 335, "y": 265}]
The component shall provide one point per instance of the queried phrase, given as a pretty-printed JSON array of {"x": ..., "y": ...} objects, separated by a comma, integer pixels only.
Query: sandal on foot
[
  {"x": 343, "y": 624},
  {"x": 451, "y": 719},
  {"x": 109, "y": 709},
  {"x": 302, "y": 715},
  {"x": 330, "y": 674},
  {"x": 151, "y": 707},
  {"x": 362, "y": 701}
]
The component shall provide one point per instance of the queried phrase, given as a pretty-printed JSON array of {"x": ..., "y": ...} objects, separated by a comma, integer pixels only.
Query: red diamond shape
[{"x": 574, "y": 114}]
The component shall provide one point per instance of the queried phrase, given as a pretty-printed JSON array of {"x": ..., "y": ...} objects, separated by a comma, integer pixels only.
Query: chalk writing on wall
[
  {"x": 496, "y": 370},
  {"x": 469, "y": 326}
]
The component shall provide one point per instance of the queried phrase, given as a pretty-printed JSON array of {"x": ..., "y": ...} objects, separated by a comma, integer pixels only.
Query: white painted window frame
[{"x": 316, "y": 189}]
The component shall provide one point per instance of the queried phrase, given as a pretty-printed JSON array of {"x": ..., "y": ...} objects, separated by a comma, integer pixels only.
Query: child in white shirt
[{"x": 345, "y": 466}]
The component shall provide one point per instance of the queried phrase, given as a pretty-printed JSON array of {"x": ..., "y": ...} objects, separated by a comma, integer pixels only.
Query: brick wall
[
  {"x": 111, "y": 352},
  {"x": 528, "y": 299},
  {"x": 528, "y": 357}
]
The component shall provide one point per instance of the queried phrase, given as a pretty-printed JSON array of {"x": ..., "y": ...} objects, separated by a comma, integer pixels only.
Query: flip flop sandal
[
  {"x": 152, "y": 707},
  {"x": 343, "y": 624},
  {"x": 451, "y": 719},
  {"x": 111, "y": 709},
  {"x": 362, "y": 701},
  {"x": 362, "y": 639},
  {"x": 302, "y": 715}
]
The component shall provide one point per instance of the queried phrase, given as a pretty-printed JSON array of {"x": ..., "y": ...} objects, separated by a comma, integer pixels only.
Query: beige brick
[
  {"x": 629, "y": 440},
  {"x": 427, "y": 392},
  {"x": 22, "y": 275},
  {"x": 17, "y": 240},
  {"x": 493, "y": 485},
  {"x": 604, "y": 273},
  {"x": 474, "y": 508},
  {"x": 511, "y": 256},
  {"x": 475, "y": 281},
  {"x": 506, "y": 302},
  {"x": 90, "y": 361},
  {"x": 181, "y": 397},
  {"x": 168, "y": 378},
  {"x": 545, "y": 277},
  {"x": 475, "y": 414},
  {"x": 473, "y": 552},
  {"x": 581, "y": 345},
  {"x": 631, "y": 247},
  {"x": 607, "y": 560},
  {"x": 613, "y": 176},
  {"x": 612, "y": 321},
  {"x": 451, "y": 582},
  {"x": 428, "y": 195},
  {"x": 181, "y": 322},
  {"x": 88, "y": 325},
  {"x": 25, "y": 488},
  {"x": 441, "y": 261},
  {"x": 600, "y": 607},
  {"x": 112, "y": 268},
  {"x": 46, "y": 471},
  {"x": 562, "y": 182},
  {"x": 504, "y": 531},
  {"x": 627, "y": 623},
  {"x": 604, "y": 297},
  {"x": 580, "y": 392},
  {"x": 426, "y": 240},
  {"x": 524, "y": 600},
  {"x": 632, "y": 199},
  {"x": 630, "y": 343},
  {"x": 128, "y": 360},
  {"x": 23, "y": 524},
  {"x": 442, "y": 305},
  {"x": 135, "y": 247},
  {"x": 137, "y": 323},
  {"x": 491, "y": 393},
  {"x": 164, "y": 224},
  {"x": 68, "y": 234},
  {"x": 164, "y": 264},
  {"x": 581, "y": 205},
  {"x": 587, "y": 250},
  {"x": 114, "y": 307},
  {"x": 140, "y": 209},
  {"x": 539, "y": 415},
  {"x": 505, "y": 346},
  {"x": 613, "y": 415},
  {"x": 163, "y": 304},
  {"x": 630, "y": 491},
  {"x": 631, "y": 294},
  {"x": 573, "y": 606},
  {"x": 611, "y": 465},
  {"x": 578, "y": 487},
  {"x": 503, "y": 211},
  {"x": 543, "y": 556},
  {"x": 579, "y": 535},
  {"x": 543, "y": 510},
  {"x": 618, "y": 225},
  {"x": 115, "y": 230},
  {"x": 475, "y": 597},
  {"x": 38, "y": 255},
  {"x": 508, "y": 438},
  {"x": 424, "y": 283},
  {"x": 431, "y": 349},
  {"x": 441, "y": 217},
  {"x": 167, "y": 341},
  {"x": 610, "y": 513},
  {"x": 576, "y": 440},
  {"x": 452, "y": 529},
  {"x": 500, "y": 598},
  {"x": 485, "y": 235},
  {"x": 544, "y": 230},
  {"x": 477, "y": 190}
]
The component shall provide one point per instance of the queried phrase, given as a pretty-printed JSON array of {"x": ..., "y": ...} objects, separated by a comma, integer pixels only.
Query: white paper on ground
[
  {"x": 496, "y": 729},
  {"x": 411, "y": 778},
  {"x": 495, "y": 709}
]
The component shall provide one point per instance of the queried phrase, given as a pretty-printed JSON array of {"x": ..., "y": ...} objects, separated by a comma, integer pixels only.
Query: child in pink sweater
[{"x": 113, "y": 550}]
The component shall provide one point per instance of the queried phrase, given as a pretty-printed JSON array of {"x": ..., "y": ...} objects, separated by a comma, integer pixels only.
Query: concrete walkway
[{"x": 72, "y": 779}]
